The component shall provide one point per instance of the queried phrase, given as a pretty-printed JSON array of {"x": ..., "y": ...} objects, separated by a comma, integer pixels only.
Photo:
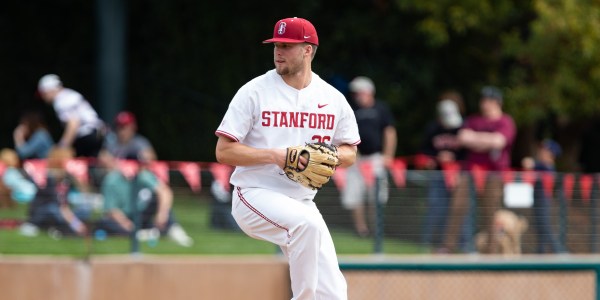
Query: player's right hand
[{"x": 279, "y": 157}]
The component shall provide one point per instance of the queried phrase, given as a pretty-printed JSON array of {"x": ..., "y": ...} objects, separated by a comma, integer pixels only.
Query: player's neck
[{"x": 298, "y": 80}]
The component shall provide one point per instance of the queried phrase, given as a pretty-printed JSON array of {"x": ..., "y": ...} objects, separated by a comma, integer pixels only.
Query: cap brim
[{"x": 283, "y": 40}]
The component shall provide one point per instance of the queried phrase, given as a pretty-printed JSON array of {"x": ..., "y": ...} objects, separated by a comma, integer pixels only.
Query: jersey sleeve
[
  {"x": 237, "y": 121},
  {"x": 347, "y": 129}
]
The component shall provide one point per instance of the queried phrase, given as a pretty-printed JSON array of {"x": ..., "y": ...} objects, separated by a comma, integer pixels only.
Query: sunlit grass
[{"x": 193, "y": 214}]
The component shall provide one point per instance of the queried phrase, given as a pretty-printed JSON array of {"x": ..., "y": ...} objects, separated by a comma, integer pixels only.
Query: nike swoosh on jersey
[{"x": 322, "y": 105}]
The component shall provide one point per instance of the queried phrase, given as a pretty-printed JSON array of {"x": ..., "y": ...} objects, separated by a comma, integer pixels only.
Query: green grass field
[{"x": 194, "y": 215}]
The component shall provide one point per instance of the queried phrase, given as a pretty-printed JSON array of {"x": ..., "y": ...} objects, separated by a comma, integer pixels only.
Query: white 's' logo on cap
[{"x": 281, "y": 29}]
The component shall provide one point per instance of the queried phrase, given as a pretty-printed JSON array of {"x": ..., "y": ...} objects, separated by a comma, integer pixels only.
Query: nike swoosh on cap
[{"x": 307, "y": 37}]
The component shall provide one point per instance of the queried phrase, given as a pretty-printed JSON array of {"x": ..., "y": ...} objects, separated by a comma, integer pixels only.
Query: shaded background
[{"x": 182, "y": 61}]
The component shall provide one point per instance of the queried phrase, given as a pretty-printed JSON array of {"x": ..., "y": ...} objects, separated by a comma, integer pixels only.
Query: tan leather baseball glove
[{"x": 322, "y": 160}]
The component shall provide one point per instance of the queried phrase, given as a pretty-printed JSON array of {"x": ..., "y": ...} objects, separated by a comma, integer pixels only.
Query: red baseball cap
[
  {"x": 294, "y": 30},
  {"x": 125, "y": 118}
]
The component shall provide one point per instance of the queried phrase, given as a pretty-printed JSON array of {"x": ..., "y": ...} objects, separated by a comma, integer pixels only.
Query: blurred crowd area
[{"x": 408, "y": 223}]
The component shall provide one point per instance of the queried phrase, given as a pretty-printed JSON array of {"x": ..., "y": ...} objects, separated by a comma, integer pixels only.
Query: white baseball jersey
[
  {"x": 268, "y": 113},
  {"x": 70, "y": 104}
]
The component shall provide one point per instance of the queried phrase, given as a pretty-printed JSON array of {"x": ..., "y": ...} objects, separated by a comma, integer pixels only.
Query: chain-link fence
[
  {"x": 547, "y": 212},
  {"x": 424, "y": 212}
]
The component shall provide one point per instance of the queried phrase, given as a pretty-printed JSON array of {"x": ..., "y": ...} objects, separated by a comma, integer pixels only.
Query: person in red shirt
[{"x": 488, "y": 138}]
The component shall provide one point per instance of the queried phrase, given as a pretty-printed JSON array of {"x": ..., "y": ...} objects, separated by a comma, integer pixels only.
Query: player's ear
[{"x": 308, "y": 49}]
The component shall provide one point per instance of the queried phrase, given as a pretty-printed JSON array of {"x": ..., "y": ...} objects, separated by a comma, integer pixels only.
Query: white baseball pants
[{"x": 298, "y": 228}]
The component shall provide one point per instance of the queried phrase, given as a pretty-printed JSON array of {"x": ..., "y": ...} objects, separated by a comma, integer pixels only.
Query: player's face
[{"x": 289, "y": 58}]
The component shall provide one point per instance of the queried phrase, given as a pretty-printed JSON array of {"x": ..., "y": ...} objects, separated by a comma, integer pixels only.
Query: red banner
[
  {"x": 128, "y": 168},
  {"x": 366, "y": 170},
  {"x": 451, "y": 172},
  {"x": 479, "y": 177},
  {"x": 161, "y": 170},
  {"x": 528, "y": 177},
  {"x": 339, "y": 178},
  {"x": 221, "y": 173},
  {"x": 78, "y": 168},
  {"x": 2, "y": 168},
  {"x": 508, "y": 176},
  {"x": 568, "y": 183},
  {"x": 398, "y": 171},
  {"x": 585, "y": 183},
  {"x": 548, "y": 183},
  {"x": 36, "y": 168},
  {"x": 422, "y": 161},
  {"x": 191, "y": 173}
]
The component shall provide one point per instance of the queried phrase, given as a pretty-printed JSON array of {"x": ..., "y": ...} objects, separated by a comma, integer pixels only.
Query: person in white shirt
[
  {"x": 284, "y": 107},
  {"x": 84, "y": 131}
]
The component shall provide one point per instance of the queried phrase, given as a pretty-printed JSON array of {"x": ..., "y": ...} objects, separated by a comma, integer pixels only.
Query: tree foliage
[{"x": 557, "y": 66}]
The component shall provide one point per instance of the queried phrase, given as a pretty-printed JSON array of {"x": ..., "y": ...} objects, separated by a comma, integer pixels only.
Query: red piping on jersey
[
  {"x": 256, "y": 211},
  {"x": 356, "y": 143},
  {"x": 226, "y": 134}
]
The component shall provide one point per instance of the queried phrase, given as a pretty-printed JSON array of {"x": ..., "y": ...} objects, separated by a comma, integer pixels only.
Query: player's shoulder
[{"x": 258, "y": 85}]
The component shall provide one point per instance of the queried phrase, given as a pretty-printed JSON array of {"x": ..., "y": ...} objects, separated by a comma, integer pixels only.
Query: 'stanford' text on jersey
[{"x": 297, "y": 119}]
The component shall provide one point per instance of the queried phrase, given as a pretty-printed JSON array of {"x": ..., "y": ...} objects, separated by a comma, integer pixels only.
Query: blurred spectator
[
  {"x": 488, "y": 138},
  {"x": 125, "y": 142},
  {"x": 50, "y": 208},
  {"x": 83, "y": 131},
  {"x": 31, "y": 136},
  {"x": 14, "y": 185},
  {"x": 441, "y": 148},
  {"x": 378, "y": 148},
  {"x": 143, "y": 195},
  {"x": 543, "y": 161}
]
